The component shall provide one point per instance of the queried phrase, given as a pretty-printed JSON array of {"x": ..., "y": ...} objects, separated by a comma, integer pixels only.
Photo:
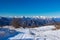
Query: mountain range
[{"x": 29, "y": 21}]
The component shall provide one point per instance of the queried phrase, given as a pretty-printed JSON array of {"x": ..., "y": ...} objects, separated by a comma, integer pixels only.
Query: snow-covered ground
[{"x": 39, "y": 33}]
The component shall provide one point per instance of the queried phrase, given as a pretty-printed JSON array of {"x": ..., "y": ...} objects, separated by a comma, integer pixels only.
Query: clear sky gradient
[{"x": 29, "y": 7}]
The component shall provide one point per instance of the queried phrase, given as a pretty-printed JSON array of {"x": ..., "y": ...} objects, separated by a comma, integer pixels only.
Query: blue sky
[{"x": 29, "y": 7}]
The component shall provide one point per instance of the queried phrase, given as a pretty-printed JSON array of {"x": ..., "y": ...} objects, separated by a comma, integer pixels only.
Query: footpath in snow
[{"x": 39, "y": 33}]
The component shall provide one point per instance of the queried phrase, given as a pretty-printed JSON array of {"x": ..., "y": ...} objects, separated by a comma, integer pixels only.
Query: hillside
[{"x": 28, "y": 21}]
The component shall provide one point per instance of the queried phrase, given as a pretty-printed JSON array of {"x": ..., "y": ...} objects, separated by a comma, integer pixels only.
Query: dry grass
[{"x": 57, "y": 26}]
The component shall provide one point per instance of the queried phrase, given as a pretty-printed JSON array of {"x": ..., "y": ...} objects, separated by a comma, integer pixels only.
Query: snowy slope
[
  {"x": 40, "y": 33},
  {"x": 53, "y": 35}
]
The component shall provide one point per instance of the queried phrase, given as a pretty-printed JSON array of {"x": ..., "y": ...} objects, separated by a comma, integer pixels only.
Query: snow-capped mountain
[
  {"x": 39, "y": 32},
  {"x": 30, "y": 20}
]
